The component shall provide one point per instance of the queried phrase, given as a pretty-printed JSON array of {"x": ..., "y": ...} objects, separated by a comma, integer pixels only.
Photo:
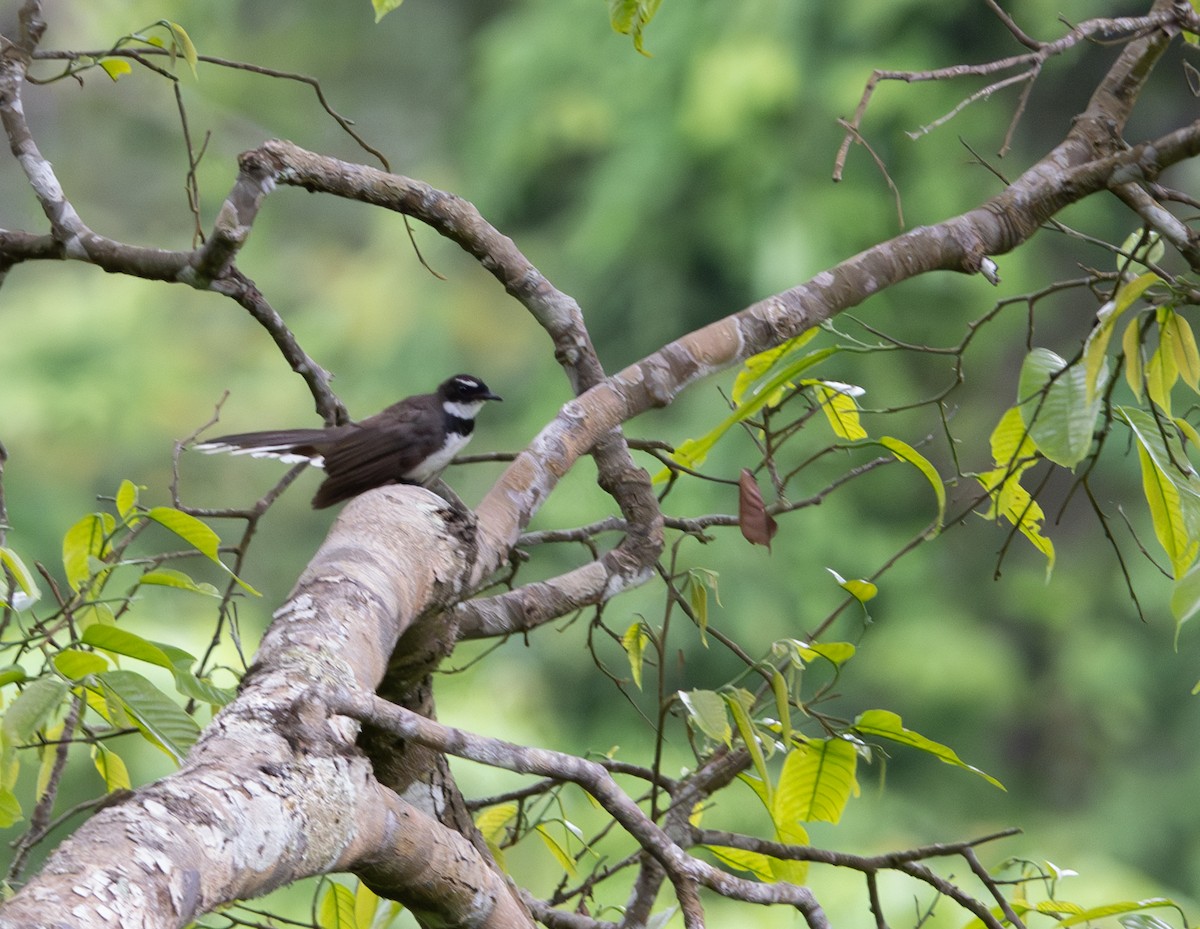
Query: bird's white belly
[{"x": 432, "y": 466}]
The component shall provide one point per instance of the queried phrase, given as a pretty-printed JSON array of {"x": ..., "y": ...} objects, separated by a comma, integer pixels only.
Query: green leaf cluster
[{"x": 66, "y": 662}]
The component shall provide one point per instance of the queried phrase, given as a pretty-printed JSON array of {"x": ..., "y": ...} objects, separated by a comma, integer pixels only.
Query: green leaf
[
  {"x": 12, "y": 674},
  {"x": 838, "y": 404},
  {"x": 126, "y": 500},
  {"x": 742, "y": 859},
  {"x": 197, "y": 534},
  {"x": 10, "y": 808},
  {"x": 115, "y": 68},
  {"x": 860, "y": 590},
  {"x": 1150, "y": 250},
  {"x": 123, "y": 642},
  {"x": 366, "y": 905},
  {"x": 1131, "y": 346},
  {"x": 1013, "y": 502},
  {"x": 1096, "y": 346},
  {"x": 192, "y": 530},
  {"x": 1185, "y": 597},
  {"x": 1171, "y": 487},
  {"x": 707, "y": 710},
  {"x": 182, "y": 43},
  {"x": 169, "y": 577},
  {"x": 634, "y": 641},
  {"x": 565, "y": 861},
  {"x": 75, "y": 664},
  {"x": 159, "y": 719},
  {"x": 816, "y": 782},
  {"x": 383, "y": 7},
  {"x": 758, "y": 365},
  {"x": 1114, "y": 909},
  {"x": 631, "y": 17},
  {"x": 783, "y": 706},
  {"x": 12, "y": 562},
  {"x": 111, "y": 768},
  {"x": 802, "y": 653},
  {"x": 693, "y": 452},
  {"x": 885, "y": 724},
  {"x": 32, "y": 709},
  {"x": 739, "y": 701},
  {"x": 699, "y": 582},
  {"x": 337, "y": 908},
  {"x": 492, "y": 822},
  {"x": 906, "y": 452},
  {"x": 1161, "y": 375},
  {"x": 1177, "y": 332},
  {"x": 88, "y": 539},
  {"x": 1055, "y": 407}
]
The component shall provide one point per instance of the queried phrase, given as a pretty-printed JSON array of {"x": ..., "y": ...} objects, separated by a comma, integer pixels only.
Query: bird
[{"x": 410, "y": 442}]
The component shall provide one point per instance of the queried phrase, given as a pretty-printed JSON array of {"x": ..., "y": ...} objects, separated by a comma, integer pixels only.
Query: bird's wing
[{"x": 379, "y": 450}]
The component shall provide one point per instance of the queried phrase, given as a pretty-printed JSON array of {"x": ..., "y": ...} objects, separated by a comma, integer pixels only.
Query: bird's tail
[{"x": 290, "y": 445}]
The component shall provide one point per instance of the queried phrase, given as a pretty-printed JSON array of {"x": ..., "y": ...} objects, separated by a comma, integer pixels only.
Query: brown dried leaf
[{"x": 757, "y": 525}]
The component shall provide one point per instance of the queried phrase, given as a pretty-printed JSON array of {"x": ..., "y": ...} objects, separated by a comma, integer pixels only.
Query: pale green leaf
[
  {"x": 817, "y": 781},
  {"x": 183, "y": 44},
  {"x": 115, "y": 68},
  {"x": 631, "y": 17},
  {"x": 126, "y": 500},
  {"x": 366, "y": 905},
  {"x": 10, "y": 809},
  {"x": 337, "y": 908},
  {"x": 1131, "y": 346},
  {"x": 739, "y": 701},
  {"x": 47, "y": 756},
  {"x": 790, "y": 869},
  {"x": 32, "y": 709},
  {"x": 758, "y": 365},
  {"x": 707, "y": 710},
  {"x": 11, "y": 562},
  {"x": 1115, "y": 909},
  {"x": 112, "y": 768},
  {"x": 1183, "y": 344},
  {"x": 742, "y": 859},
  {"x": 169, "y": 577},
  {"x": 492, "y": 822},
  {"x": 1161, "y": 375},
  {"x": 841, "y": 410},
  {"x": 1013, "y": 502},
  {"x": 801, "y": 653},
  {"x": 88, "y": 539},
  {"x": 634, "y": 641},
  {"x": 906, "y": 452},
  {"x": 783, "y": 706},
  {"x": 884, "y": 724},
  {"x": 123, "y": 642},
  {"x": 1171, "y": 488},
  {"x": 565, "y": 861},
  {"x": 861, "y": 590},
  {"x": 12, "y": 674},
  {"x": 1055, "y": 407},
  {"x": 197, "y": 534},
  {"x": 383, "y": 7},
  {"x": 692, "y": 452},
  {"x": 74, "y": 663}
]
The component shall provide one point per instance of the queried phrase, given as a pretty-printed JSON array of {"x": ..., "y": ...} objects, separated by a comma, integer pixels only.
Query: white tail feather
[{"x": 278, "y": 452}]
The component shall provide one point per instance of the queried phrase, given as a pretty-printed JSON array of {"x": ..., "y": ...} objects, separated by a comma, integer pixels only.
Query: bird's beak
[{"x": 491, "y": 396}]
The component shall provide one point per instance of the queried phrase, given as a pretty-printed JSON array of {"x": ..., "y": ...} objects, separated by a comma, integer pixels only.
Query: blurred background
[{"x": 662, "y": 192}]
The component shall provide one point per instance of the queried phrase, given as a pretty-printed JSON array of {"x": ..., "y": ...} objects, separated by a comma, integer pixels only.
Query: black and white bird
[{"x": 410, "y": 442}]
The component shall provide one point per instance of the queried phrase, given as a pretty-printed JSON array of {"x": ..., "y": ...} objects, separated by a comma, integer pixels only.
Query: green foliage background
[{"x": 663, "y": 192}]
